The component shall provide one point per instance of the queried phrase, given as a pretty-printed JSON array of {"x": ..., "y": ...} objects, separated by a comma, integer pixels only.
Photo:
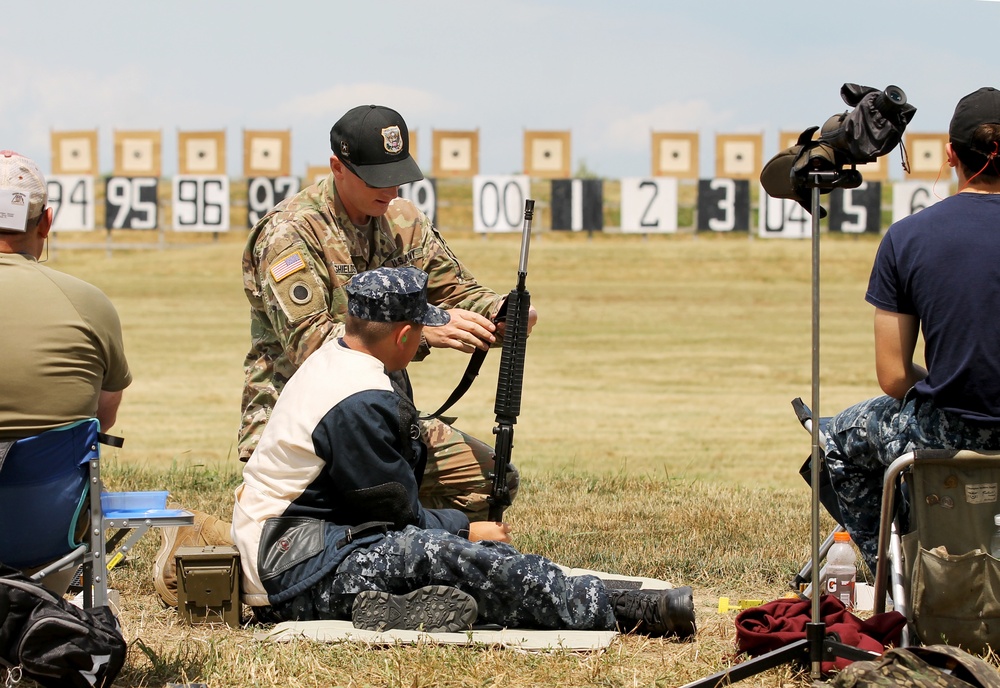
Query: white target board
[
  {"x": 456, "y": 153},
  {"x": 267, "y": 153},
  {"x": 675, "y": 155},
  {"x": 74, "y": 153},
  {"x": 130, "y": 203},
  {"x": 137, "y": 154},
  {"x": 263, "y": 193},
  {"x": 547, "y": 154},
  {"x": 201, "y": 152},
  {"x": 423, "y": 194},
  {"x": 200, "y": 203},
  {"x": 498, "y": 202},
  {"x": 783, "y": 218},
  {"x": 71, "y": 197},
  {"x": 912, "y": 197},
  {"x": 738, "y": 156},
  {"x": 316, "y": 173},
  {"x": 928, "y": 156},
  {"x": 649, "y": 205}
]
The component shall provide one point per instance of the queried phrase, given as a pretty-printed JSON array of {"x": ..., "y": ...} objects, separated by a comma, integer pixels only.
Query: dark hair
[
  {"x": 368, "y": 331},
  {"x": 986, "y": 137}
]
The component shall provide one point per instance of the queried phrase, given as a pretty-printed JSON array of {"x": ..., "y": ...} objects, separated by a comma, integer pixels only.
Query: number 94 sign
[{"x": 71, "y": 198}]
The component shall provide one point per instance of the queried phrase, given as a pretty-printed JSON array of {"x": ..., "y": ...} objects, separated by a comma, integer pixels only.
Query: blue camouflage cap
[{"x": 393, "y": 295}]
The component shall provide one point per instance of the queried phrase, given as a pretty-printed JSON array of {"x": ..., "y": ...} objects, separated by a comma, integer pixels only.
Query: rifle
[{"x": 508, "y": 402}]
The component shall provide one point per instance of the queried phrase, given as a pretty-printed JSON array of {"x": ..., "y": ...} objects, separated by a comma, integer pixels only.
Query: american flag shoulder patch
[{"x": 287, "y": 266}]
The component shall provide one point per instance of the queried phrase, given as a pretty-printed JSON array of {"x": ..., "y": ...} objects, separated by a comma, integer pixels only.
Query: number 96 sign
[{"x": 201, "y": 203}]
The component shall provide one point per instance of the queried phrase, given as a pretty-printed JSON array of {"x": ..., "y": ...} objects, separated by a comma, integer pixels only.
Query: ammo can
[{"x": 208, "y": 584}]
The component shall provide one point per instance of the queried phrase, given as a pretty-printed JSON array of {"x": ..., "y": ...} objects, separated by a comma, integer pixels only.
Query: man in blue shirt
[{"x": 936, "y": 272}]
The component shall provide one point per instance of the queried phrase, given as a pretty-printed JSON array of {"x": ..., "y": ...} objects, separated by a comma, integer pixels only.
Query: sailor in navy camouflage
[
  {"x": 876, "y": 432},
  {"x": 329, "y": 509},
  {"x": 512, "y": 589},
  {"x": 299, "y": 259}
]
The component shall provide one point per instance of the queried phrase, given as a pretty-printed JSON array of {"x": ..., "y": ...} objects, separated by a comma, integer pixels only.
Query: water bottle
[
  {"x": 841, "y": 570},
  {"x": 995, "y": 540}
]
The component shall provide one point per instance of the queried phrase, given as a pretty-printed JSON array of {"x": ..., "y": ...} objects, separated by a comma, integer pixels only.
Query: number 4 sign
[{"x": 783, "y": 218}]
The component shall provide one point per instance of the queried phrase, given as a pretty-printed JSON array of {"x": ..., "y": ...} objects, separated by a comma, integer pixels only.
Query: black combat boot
[{"x": 655, "y": 612}]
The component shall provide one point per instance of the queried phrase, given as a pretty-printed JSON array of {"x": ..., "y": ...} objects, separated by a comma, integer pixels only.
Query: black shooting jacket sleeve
[{"x": 375, "y": 460}]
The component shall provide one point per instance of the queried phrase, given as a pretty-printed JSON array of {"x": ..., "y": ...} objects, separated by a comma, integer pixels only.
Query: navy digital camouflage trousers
[
  {"x": 864, "y": 439},
  {"x": 511, "y": 589}
]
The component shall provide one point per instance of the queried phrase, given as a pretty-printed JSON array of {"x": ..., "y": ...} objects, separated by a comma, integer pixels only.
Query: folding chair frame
[
  {"x": 103, "y": 556},
  {"x": 889, "y": 570},
  {"x": 96, "y": 555}
]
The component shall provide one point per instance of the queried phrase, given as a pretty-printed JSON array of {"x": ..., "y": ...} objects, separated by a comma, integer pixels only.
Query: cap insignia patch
[
  {"x": 345, "y": 150},
  {"x": 393, "y": 139}
]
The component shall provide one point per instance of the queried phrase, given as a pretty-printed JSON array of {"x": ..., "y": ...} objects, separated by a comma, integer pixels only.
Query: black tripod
[{"x": 815, "y": 648}]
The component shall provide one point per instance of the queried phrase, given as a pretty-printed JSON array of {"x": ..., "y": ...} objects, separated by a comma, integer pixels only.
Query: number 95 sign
[{"x": 130, "y": 203}]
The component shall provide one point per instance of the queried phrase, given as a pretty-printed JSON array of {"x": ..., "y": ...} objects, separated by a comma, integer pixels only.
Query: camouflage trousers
[
  {"x": 864, "y": 439},
  {"x": 510, "y": 588},
  {"x": 459, "y": 472}
]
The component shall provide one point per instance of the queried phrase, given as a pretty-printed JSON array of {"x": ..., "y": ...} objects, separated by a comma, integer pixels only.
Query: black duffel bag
[{"x": 47, "y": 639}]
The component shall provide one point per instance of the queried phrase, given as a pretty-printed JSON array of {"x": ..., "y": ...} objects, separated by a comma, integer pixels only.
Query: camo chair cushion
[{"x": 933, "y": 666}]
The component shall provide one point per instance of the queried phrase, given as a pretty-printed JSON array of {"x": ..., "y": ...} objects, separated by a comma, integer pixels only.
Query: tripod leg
[{"x": 794, "y": 652}]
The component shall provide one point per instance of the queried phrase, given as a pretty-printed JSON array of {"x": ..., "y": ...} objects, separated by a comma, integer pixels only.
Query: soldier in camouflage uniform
[
  {"x": 935, "y": 272},
  {"x": 328, "y": 520},
  {"x": 297, "y": 261},
  {"x": 300, "y": 256}
]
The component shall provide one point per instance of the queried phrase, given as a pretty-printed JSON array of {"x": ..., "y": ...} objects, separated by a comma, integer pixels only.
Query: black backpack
[{"x": 52, "y": 642}]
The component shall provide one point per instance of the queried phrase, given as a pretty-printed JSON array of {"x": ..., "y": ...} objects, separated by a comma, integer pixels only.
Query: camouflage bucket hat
[{"x": 393, "y": 295}]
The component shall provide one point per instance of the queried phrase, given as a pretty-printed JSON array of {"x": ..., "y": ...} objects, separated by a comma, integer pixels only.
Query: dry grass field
[{"x": 656, "y": 437}]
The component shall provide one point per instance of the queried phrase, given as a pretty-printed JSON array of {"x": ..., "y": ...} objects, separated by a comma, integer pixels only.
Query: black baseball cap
[
  {"x": 373, "y": 142},
  {"x": 979, "y": 107}
]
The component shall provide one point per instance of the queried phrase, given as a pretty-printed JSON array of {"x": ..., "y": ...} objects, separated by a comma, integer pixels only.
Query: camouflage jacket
[{"x": 297, "y": 260}]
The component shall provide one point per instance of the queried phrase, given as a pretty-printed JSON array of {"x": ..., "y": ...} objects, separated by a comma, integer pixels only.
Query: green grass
[{"x": 655, "y": 437}]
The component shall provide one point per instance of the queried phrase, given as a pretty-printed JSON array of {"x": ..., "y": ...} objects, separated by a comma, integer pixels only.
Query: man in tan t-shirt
[{"x": 62, "y": 341}]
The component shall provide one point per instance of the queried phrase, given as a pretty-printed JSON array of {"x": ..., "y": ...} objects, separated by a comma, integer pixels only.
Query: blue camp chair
[{"x": 51, "y": 513}]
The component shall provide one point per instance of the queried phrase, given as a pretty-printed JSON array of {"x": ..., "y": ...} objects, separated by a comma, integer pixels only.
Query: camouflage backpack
[{"x": 933, "y": 666}]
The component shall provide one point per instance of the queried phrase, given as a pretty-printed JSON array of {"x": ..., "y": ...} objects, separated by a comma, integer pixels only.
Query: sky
[{"x": 609, "y": 72}]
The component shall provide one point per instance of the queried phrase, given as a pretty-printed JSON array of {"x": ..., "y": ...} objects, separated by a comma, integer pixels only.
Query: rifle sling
[{"x": 471, "y": 371}]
